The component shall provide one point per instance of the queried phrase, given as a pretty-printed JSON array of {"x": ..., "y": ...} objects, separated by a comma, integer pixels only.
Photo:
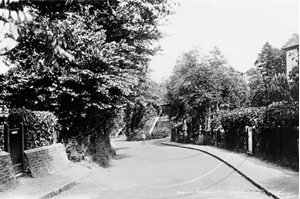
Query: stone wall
[
  {"x": 7, "y": 175},
  {"x": 47, "y": 160}
]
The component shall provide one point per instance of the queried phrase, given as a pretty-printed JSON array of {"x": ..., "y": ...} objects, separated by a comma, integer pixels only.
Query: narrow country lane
[{"x": 155, "y": 171}]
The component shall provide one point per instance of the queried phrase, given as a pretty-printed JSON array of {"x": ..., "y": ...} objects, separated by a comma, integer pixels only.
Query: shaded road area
[{"x": 155, "y": 171}]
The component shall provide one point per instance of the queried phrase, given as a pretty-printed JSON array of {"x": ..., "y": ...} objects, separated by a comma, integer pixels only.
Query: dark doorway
[{"x": 14, "y": 144}]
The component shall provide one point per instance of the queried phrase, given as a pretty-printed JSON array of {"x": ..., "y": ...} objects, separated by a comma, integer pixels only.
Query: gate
[{"x": 14, "y": 145}]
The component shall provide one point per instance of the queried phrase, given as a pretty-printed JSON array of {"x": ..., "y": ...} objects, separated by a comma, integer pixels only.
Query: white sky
[{"x": 239, "y": 28}]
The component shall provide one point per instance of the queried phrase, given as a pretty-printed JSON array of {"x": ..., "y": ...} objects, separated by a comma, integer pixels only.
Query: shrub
[
  {"x": 275, "y": 135},
  {"x": 75, "y": 150},
  {"x": 283, "y": 114},
  {"x": 40, "y": 126},
  {"x": 1, "y": 137},
  {"x": 4, "y": 111},
  {"x": 159, "y": 134}
]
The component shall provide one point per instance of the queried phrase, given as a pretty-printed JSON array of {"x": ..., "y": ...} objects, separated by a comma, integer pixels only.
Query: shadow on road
[
  {"x": 159, "y": 141},
  {"x": 121, "y": 156},
  {"x": 121, "y": 148}
]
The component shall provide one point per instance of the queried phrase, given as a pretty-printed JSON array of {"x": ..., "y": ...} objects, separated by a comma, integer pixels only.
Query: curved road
[{"x": 155, "y": 171}]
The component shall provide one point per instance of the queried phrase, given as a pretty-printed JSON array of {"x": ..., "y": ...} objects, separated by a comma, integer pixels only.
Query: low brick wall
[
  {"x": 47, "y": 160},
  {"x": 7, "y": 174}
]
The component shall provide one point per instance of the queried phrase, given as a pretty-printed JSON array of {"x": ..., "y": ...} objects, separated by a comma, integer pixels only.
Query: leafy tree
[
  {"x": 201, "y": 84},
  {"x": 280, "y": 88},
  {"x": 270, "y": 61},
  {"x": 111, "y": 44},
  {"x": 258, "y": 89},
  {"x": 143, "y": 106},
  {"x": 17, "y": 14}
]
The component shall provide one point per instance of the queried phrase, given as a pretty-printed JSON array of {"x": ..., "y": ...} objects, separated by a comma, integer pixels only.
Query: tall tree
[
  {"x": 258, "y": 89},
  {"x": 201, "y": 84},
  {"x": 271, "y": 62},
  {"x": 107, "y": 45}
]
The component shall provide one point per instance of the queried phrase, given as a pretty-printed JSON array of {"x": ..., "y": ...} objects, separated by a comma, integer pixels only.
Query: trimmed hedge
[{"x": 41, "y": 127}]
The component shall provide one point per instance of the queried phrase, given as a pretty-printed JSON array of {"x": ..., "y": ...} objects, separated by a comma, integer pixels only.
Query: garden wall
[
  {"x": 7, "y": 175},
  {"x": 46, "y": 160}
]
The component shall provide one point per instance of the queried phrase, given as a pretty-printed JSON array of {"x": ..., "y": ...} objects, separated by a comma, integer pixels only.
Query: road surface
[{"x": 153, "y": 171}]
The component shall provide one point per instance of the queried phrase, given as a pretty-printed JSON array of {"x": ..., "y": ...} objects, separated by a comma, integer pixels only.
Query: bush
[
  {"x": 1, "y": 137},
  {"x": 283, "y": 114},
  {"x": 95, "y": 147},
  {"x": 41, "y": 127},
  {"x": 159, "y": 134},
  {"x": 75, "y": 150}
]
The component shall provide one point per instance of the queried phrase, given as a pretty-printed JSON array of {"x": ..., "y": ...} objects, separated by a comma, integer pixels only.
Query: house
[{"x": 292, "y": 55}]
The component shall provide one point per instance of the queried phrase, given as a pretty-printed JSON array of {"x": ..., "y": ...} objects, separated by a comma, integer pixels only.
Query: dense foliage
[
  {"x": 41, "y": 127},
  {"x": 145, "y": 106},
  {"x": 202, "y": 84},
  {"x": 275, "y": 132},
  {"x": 86, "y": 61},
  {"x": 278, "y": 114},
  {"x": 268, "y": 80}
]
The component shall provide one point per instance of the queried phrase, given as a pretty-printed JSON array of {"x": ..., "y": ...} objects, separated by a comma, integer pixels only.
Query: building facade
[{"x": 292, "y": 57}]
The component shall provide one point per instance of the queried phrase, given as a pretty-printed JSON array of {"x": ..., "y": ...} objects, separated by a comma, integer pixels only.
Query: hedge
[
  {"x": 279, "y": 114},
  {"x": 1, "y": 137},
  {"x": 274, "y": 137},
  {"x": 4, "y": 111},
  {"x": 41, "y": 127}
]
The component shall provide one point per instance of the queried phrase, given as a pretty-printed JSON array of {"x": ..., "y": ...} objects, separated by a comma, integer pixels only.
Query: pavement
[
  {"x": 49, "y": 185},
  {"x": 275, "y": 181}
]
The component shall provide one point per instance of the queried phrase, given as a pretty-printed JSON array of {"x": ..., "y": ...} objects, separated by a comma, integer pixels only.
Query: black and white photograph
[{"x": 149, "y": 99}]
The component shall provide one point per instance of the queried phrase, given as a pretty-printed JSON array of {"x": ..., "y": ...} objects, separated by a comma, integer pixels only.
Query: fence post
[{"x": 250, "y": 139}]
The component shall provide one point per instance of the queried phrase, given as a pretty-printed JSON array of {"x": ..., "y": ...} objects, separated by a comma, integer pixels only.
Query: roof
[{"x": 291, "y": 45}]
